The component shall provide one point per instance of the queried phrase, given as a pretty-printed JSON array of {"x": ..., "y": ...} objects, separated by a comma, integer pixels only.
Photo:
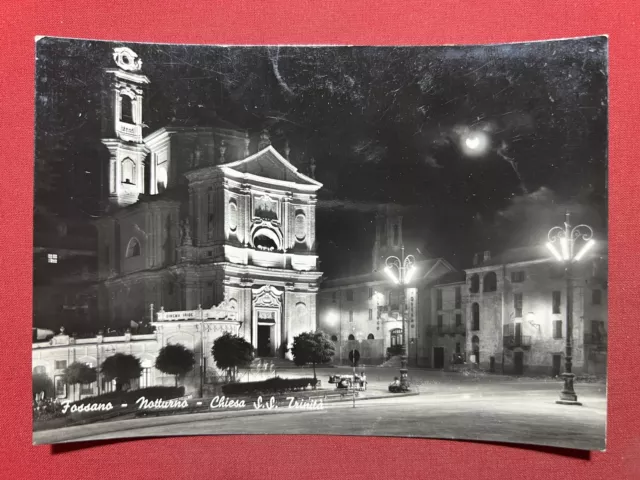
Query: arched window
[
  {"x": 370, "y": 336},
  {"x": 334, "y": 338},
  {"x": 351, "y": 337},
  {"x": 396, "y": 337},
  {"x": 490, "y": 282},
  {"x": 126, "y": 109},
  {"x": 128, "y": 171},
  {"x": 133, "y": 249},
  {"x": 475, "y": 283},
  {"x": 475, "y": 316}
]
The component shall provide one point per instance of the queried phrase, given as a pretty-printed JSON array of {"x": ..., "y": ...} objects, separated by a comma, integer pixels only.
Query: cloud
[
  {"x": 431, "y": 161},
  {"x": 529, "y": 217}
]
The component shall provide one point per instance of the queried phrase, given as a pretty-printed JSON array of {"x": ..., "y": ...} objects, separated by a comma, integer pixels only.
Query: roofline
[
  {"x": 516, "y": 264},
  {"x": 284, "y": 161},
  {"x": 459, "y": 282},
  {"x": 154, "y": 136},
  {"x": 364, "y": 282}
]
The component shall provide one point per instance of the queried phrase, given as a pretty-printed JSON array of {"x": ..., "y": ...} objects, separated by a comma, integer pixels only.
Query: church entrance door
[{"x": 265, "y": 340}]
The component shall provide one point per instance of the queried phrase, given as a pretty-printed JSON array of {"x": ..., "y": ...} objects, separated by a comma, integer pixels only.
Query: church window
[
  {"x": 126, "y": 109},
  {"x": 128, "y": 171},
  {"x": 133, "y": 249}
]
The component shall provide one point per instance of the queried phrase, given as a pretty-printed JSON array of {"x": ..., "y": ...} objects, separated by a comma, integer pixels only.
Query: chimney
[
  {"x": 487, "y": 256},
  {"x": 476, "y": 259}
]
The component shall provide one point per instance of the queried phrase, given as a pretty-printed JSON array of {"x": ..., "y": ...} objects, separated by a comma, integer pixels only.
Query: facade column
[
  {"x": 118, "y": 172},
  {"x": 153, "y": 185},
  {"x": 141, "y": 172}
]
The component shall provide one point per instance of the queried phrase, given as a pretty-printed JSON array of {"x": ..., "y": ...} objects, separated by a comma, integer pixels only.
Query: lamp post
[
  {"x": 202, "y": 356},
  {"x": 405, "y": 267},
  {"x": 567, "y": 237},
  {"x": 378, "y": 296}
]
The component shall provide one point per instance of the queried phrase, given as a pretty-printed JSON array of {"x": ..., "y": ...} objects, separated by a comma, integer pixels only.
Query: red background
[{"x": 313, "y": 22}]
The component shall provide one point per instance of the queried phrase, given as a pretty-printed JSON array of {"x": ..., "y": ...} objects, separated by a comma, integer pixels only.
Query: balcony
[
  {"x": 595, "y": 340},
  {"x": 522, "y": 341}
]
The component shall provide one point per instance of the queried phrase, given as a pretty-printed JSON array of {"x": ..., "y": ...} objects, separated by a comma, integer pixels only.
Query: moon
[
  {"x": 472, "y": 142},
  {"x": 475, "y": 143}
]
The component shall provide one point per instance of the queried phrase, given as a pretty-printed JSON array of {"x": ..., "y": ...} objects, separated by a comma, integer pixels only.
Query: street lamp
[
  {"x": 406, "y": 269},
  {"x": 567, "y": 237},
  {"x": 378, "y": 297}
]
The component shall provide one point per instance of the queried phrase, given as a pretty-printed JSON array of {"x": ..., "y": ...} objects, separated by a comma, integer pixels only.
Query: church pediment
[
  {"x": 267, "y": 296},
  {"x": 268, "y": 166}
]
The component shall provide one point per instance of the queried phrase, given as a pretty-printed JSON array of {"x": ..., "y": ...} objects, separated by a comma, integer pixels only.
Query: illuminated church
[{"x": 198, "y": 215}]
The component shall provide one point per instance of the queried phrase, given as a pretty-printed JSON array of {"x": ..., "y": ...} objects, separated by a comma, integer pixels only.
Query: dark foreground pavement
[{"x": 490, "y": 410}]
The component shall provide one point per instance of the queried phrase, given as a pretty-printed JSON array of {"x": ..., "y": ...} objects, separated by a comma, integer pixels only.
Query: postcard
[{"x": 375, "y": 241}]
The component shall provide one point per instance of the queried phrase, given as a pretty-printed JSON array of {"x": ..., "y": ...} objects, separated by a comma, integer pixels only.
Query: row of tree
[{"x": 230, "y": 352}]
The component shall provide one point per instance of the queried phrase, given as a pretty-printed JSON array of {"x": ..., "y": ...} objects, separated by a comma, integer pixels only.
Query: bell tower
[
  {"x": 388, "y": 236},
  {"x": 122, "y": 127}
]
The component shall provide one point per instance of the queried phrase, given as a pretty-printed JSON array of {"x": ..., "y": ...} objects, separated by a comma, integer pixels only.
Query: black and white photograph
[{"x": 404, "y": 241}]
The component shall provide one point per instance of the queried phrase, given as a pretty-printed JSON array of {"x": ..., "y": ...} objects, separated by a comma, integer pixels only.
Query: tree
[
  {"x": 79, "y": 373},
  {"x": 122, "y": 368},
  {"x": 42, "y": 384},
  {"x": 230, "y": 352},
  {"x": 312, "y": 347},
  {"x": 175, "y": 359}
]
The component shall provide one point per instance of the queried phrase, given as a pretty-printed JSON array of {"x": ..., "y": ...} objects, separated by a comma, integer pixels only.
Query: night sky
[{"x": 482, "y": 147}]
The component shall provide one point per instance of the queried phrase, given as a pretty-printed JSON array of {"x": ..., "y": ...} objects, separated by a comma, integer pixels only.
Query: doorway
[
  {"x": 438, "y": 357},
  {"x": 265, "y": 346},
  {"x": 555, "y": 365},
  {"x": 518, "y": 363}
]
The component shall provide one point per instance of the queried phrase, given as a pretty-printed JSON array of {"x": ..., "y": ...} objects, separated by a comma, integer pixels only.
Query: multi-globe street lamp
[
  {"x": 401, "y": 271},
  {"x": 566, "y": 237}
]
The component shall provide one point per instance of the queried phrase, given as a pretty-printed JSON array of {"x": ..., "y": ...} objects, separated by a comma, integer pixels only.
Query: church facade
[{"x": 197, "y": 216}]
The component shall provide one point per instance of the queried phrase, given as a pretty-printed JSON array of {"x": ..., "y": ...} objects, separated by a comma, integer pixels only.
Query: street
[{"x": 447, "y": 406}]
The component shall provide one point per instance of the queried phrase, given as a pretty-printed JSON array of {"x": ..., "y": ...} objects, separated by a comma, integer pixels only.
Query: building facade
[
  {"x": 367, "y": 315},
  {"x": 516, "y": 313},
  {"x": 64, "y": 275},
  {"x": 202, "y": 214},
  {"x": 197, "y": 330},
  {"x": 445, "y": 339}
]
